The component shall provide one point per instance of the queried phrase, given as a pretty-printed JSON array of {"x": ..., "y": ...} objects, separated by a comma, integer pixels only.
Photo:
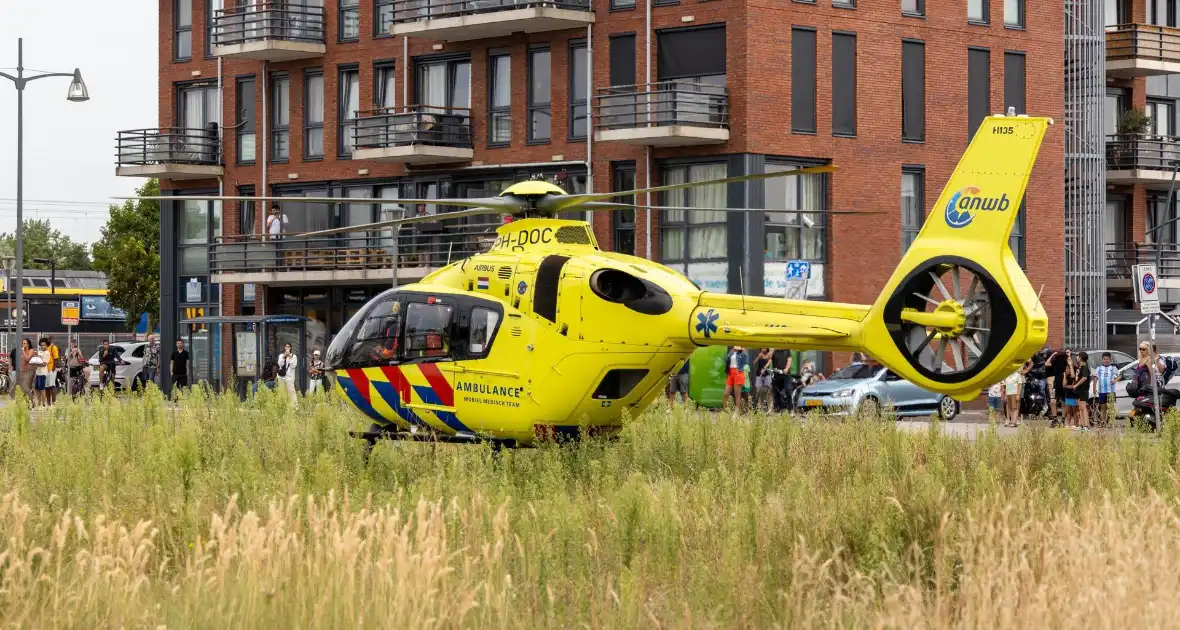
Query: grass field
[{"x": 126, "y": 513}]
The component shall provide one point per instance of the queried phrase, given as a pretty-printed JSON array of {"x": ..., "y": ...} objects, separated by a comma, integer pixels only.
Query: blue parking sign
[{"x": 798, "y": 270}]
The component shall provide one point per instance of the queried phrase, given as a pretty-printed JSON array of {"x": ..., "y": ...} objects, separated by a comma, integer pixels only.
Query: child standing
[
  {"x": 995, "y": 401},
  {"x": 1012, "y": 397},
  {"x": 1106, "y": 374}
]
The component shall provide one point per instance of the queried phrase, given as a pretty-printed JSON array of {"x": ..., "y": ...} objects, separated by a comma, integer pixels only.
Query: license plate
[{"x": 813, "y": 403}]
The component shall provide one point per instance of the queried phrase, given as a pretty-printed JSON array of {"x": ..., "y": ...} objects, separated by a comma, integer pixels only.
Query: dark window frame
[
  {"x": 836, "y": 83},
  {"x": 276, "y": 130},
  {"x": 823, "y": 224},
  {"x": 533, "y": 106},
  {"x": 574, "y": 46},
  {"x": 844, "y": 4},
  {"x": 495, "y": 111},
  {"x": 986, "y": 20},
  {"x": 247, "y": 125},
  {"x": 308, "y": 126},
  {"x": 1009, "y": 98},
  {"x": 210, "y": 15},
  {"x": 380, "y": 68},
  {"x": 345, "y": 125},
  {"x": 909, "y": 233},
  {"x": 378, "y": 32},
  {"x": 341, "y": 11},
  {"x": 685, "y": 225},
  {"x": 920, "y": 137},
  {"x": 919, "y": 13},
  {"x": 1022, "y": 13},
  {"x": 972, "y": 128},
  {"x": 618, "y": 224},
  {"x": 178, "y": 29},
  {"x": 804, "y": 79},
  {"x": 621, "y": 5},
  {"x": 247, "y": 207},
  {"x": 448, "y": 61}
]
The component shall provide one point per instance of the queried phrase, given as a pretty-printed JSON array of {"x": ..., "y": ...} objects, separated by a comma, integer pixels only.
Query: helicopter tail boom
[{"x": 958, "y": 313}]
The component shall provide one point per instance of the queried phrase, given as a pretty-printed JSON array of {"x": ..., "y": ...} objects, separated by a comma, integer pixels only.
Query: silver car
[
  {"x": 864, "y": 387},
  {"x": 126, "y": 376}
]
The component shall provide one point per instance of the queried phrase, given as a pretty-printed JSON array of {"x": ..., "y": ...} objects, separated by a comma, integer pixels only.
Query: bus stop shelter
[{"x": 255, "y": 340}]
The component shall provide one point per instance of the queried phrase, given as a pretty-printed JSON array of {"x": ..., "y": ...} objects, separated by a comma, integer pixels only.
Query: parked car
[
  {"x": 1117, "y": 359},
  {"x": 125, "y": 375},
  {"x": 864, "y": 387}
]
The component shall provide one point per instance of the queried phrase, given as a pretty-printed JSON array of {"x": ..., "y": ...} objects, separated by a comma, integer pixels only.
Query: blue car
[{"x": 867, "y": 387}]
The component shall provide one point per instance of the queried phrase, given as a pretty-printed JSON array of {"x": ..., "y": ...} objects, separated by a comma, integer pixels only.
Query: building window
[
  {"x": 349, "y": 20},
  {"x": 623, "y": 221},
  {"x": 183, "y": 41},
  {"x": 794, "y": 235},
  {"x": 691, "y": 66},
  {"x": 913, "y": 205},
  {"x": 1014, "y": 81},
  {"x": 844, "y": 4},
  {"x": 979, "y": 90},
  {"x": 977, "y": 11},
  {"x": 539, "y": 95},
  {"x": 500, "y": 100},
  {"x": 198, "y": 109},
  {"x": 844, "y": 84},
  {"x": 384, "y": 86},
  {"x": 579, "y": 91},
  {"x": 384, "y": 11},
  {"x": 913, "y": 91},
  {"x": 622, "y": 4},
  {"x": 445, "y": 84},
  {"x": 1014, "y": 13},
  {"x": 1162, "y": 115},
  {"x": 695, "y": 236},
  {"x": 1116, "y": 12},
  {"x": 245, "y": 125},
  {"x": 247, "y": 212},
  {"x": 280, "y": 118},
  {"x": 349, "y": 103},
  {"x": 212, "y": 7},
  {"x": 1114, "y": 104},
  {"x": 1161, "y": 13},
  {"x": 802, "y": 80},
  {"x": 913, "y": 7},
  {"x": 621, "y": 108},
  {"x": 313, "y": 114}
]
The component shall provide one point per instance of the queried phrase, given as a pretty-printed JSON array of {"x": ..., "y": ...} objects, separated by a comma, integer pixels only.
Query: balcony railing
[
  {"x": 418, "y": 10},
  {"x": 1143, "y": 41},
  {"x": 1141, "y": 152},
  {"x": 413, "y": 125},
  {"x": 661, "y": 104},
  {"x": 1121, "y": 259},
  {"x": 269, "y": 21},
  {"x": 426, "y": 245},
  {"x": 168, "y": 145}
]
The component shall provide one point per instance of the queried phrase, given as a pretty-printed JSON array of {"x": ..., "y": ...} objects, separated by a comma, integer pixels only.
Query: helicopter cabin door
[{"x": 428, "y": 355}]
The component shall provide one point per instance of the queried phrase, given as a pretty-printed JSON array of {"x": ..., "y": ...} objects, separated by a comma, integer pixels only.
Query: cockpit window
[
  {"x": 428, "y": 331},
  {"x": 376, "y": 340},
  {"x": 483, "y": 326}
]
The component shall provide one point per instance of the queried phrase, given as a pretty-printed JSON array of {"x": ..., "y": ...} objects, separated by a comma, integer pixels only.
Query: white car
[{"x": 125, "y": 375}]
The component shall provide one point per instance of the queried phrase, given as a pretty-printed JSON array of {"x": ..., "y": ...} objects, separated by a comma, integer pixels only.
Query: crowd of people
[{"x": 765, "y": 382}]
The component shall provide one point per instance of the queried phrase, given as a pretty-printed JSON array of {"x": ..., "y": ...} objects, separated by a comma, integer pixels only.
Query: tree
[
  {"x": 42, "y": 241},
  {"x": 129, "y": 254}
]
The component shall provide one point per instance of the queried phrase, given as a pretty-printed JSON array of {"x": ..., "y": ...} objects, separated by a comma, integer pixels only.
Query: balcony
[
  {"x": 365, "y": 257},
  {"x": 418, "y": 134},
  {"x": 1141, "y": 50},
  {"x": 664, "y": 114},
  {"x": 1140, "y": 159},
  {"x": 174, "y": 153},
  {"x": 269, "y": 32},
  {"x": 462, "y": 20}
]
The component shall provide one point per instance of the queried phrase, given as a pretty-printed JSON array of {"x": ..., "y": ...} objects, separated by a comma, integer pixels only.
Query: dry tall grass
[{"x": 228, "y": 514}]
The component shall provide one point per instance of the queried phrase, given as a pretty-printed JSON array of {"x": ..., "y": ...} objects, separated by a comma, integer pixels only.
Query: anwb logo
[{"x": 965, "y": 204}]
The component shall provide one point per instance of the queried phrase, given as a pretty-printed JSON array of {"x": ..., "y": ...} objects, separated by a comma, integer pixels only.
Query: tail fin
[{"x": 959, "y": 314}]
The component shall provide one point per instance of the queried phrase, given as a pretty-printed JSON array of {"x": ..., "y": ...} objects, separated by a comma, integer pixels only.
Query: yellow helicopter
[{"x": 546, "y": 336}]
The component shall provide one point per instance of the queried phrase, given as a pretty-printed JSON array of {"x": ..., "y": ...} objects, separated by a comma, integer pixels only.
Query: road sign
[
  {"x": 797, "y": 274},
  {"x": 70, "y": 311},
  {"x": 1146, "y": 281}
]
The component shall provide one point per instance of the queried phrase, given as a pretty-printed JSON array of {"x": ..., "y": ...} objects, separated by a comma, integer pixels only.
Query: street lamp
[
  {"x": 52, "y": 262},
  {"x": 76, "y": 94}
]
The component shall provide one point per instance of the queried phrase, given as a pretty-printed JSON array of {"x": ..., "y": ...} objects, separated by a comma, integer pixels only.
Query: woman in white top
[
  {"x": 1012, "y": 386},
  {"x": 42, "y": 382},
  {"x": 288, "y": 364}
]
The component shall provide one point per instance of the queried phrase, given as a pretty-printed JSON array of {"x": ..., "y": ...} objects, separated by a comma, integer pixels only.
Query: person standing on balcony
[{"x": 274, "y": 230}]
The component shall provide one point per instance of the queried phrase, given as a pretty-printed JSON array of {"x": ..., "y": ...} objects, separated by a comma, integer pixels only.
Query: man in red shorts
[{"x": 735, "y": 375}]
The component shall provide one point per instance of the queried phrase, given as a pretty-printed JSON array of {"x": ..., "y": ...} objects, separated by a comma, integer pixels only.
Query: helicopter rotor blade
[
  {"x": 766, "y": 210},
  {"x": 501, "y": 204},
  {"x": 442, "y": 216},
  {"x": 562, "y": 203}
]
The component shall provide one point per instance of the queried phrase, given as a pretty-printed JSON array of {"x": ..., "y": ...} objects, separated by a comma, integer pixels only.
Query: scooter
[
  {"x": 1143, "y": 408},
  {"x": 1035, "y": 397}
]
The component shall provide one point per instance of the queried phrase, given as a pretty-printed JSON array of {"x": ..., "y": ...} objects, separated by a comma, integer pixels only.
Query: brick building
[{"x": 404, "y": 98}]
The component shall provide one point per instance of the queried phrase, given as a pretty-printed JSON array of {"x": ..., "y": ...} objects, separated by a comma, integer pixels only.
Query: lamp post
[
  {"x": 76, "y": 94},
  {"x": 52, "y": 262}
]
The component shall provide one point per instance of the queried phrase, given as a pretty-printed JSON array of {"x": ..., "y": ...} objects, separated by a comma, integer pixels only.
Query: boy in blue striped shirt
[{"x": 1105, "y": 375}]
